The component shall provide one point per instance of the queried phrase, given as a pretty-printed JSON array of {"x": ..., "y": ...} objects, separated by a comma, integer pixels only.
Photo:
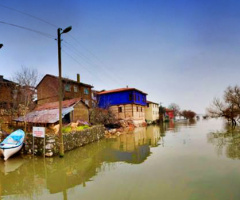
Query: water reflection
[
  {"x": 29, "y": 177},
  {"x": 227, "y": 140}
]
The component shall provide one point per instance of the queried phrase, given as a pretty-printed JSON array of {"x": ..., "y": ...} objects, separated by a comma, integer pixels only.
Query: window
[
  {"x": 67, "y": 87},
  {"x": 75, "y": 88},
  {"x": 148, "y": 105},
  {"x": 130, "y": 97},
  {"x": 141, "y": 109},
  {"x": 86, "y": 91},
  {"x": 137, "y": 108},
  {"x": 119, "y": 109}
]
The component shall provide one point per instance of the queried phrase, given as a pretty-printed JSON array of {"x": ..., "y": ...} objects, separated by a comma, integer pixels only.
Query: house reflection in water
[
  {"x": 78, "y": 167},
  {"x": 133, "y": 148}
]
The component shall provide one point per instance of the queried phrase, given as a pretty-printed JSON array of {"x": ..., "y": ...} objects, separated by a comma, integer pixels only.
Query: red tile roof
[
  {"x": 119, "y": 90},
  {"x": 55, "y": 105},
  {"x": 169, "y": 110}
]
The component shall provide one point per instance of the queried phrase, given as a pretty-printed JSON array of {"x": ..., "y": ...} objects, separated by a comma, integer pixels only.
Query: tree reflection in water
[{"x": 227, "y": 140}]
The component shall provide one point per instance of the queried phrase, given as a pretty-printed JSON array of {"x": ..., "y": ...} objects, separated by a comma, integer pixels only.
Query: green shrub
[
  {"x": 66, "y": 129},
  {"x": 79, "y": 128}
]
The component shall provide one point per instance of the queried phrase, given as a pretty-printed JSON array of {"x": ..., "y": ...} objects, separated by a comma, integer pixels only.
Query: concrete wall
[
  {"x": 152, "y": 112},
  {"x": 71, "y": 141},
  {"x": 80, "y": 112}
]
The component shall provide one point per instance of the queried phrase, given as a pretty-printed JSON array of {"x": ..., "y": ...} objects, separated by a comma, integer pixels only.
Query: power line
[
  {"x": 91, "y": 63},
  {"x": 29, "y": 29},
  {"x": 29, "y": 15},
  {"x": 77, "y": 61},
  {"x": 107, "y": 71},
  {"x": 105, "y": 68}
]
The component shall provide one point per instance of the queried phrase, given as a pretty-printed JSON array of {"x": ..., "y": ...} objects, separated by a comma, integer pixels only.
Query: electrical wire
[
  {"x": 29, "y": 15},
  {"x": 77, "y": 61},
  {"x": 89, "y": 61},
  {"x": 29, "y": 29}
]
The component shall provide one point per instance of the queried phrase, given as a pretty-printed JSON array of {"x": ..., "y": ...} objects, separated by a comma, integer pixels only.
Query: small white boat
[{"x": 12, "y": 143}]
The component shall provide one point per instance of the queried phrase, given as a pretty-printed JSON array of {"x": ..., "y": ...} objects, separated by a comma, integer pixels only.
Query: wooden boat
[{"x": 12, "y": 143}]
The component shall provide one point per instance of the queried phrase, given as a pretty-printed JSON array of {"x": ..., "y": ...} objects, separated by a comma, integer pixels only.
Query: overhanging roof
[{"x": 44, "y": 116}]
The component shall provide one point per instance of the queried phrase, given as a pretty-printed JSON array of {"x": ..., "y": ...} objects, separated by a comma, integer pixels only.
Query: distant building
[
  {"x": 48, "y": 90},
  {"x": 169, "y": 113},
  {"x": 126, "y": 103},
  {"x": 152, "y": 112}
]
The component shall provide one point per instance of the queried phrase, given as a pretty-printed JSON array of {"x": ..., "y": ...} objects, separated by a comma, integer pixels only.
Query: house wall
[
  {"x": 6, "y": 93},
  {"x": 152, "y": 112},
  {"x": 124, "y": 97},
  {"x": 48, "y": 90},
  {"x": 80, "y": 112},
  {"x": 170, "y": 114},
  {"x": 7, "y": 101},
  {"x": 129, "y": 112},
  {"x": 87, "y": 98}
]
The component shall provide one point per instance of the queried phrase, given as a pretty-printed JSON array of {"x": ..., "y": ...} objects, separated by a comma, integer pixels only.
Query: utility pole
[{"x": 61, "y": 146}]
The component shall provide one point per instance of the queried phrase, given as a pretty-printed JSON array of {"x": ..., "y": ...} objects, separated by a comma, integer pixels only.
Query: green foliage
[
  {"x": 66, "y": 129},
  {"x": 79, "y": 128},
  {"x": 69, "y": 129}
]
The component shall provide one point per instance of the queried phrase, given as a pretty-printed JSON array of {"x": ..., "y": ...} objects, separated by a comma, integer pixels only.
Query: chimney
[
  {"x": 1, "y": 77},
  {"x": 78, "y": 78}
]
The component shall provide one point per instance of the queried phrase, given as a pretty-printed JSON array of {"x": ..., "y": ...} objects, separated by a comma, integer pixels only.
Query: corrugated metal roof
[
  {"x": 44, "y": 116},
  {"x": 119, "y": 90}
]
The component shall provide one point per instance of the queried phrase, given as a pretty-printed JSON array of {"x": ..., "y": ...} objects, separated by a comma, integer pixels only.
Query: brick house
[
  {"x": 48, "y": 90},
  {"x": 8, "y": 96}
]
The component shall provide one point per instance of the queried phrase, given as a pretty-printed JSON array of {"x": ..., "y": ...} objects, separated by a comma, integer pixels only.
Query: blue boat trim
[{"x": 14, "y": 140}]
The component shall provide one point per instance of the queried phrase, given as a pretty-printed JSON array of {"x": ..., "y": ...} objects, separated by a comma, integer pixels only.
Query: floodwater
[{"x": 176, "y": 161}]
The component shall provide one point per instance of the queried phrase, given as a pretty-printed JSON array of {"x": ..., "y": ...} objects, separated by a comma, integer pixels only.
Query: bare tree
[
  {"x": 175, "y": 107},
  {"x": 27, "y": 79},
  {"x": 230, "y": 108}
]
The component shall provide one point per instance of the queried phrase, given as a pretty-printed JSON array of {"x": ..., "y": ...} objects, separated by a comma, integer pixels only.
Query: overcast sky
[{"x": 182, "y": 51}]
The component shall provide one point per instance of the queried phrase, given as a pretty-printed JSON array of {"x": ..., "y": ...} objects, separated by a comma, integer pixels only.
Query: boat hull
[{"x": 7, "y": 153}]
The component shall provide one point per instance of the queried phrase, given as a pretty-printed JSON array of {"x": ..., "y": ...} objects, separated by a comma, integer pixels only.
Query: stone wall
[{"x": 71, "y": 141}]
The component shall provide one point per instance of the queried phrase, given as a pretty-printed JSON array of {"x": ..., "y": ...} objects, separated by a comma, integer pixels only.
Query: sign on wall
[{"x": 39, "y": 132}]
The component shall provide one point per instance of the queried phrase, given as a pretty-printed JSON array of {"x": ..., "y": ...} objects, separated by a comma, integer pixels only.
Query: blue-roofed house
[{"x": 126, "y": 103}]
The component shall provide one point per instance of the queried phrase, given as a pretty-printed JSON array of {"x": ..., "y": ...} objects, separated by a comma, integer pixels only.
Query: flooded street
[{"x": 180, "y": 161}]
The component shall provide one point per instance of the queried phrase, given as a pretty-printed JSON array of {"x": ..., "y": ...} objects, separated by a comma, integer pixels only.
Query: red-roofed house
[
  {"x": 126, "y": 103},
  {"x": 169, "y": 113}
]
